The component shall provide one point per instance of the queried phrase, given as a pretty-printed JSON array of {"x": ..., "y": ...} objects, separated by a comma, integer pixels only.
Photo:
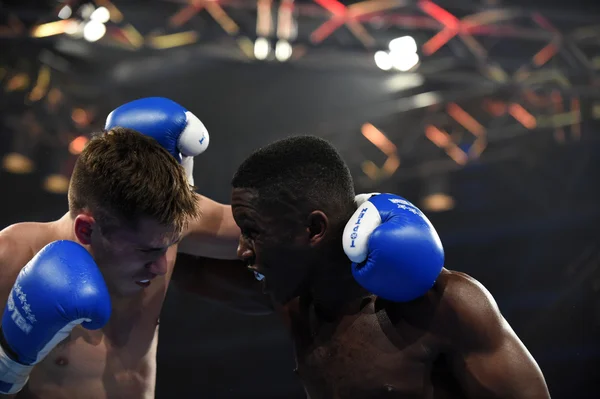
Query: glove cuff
[
  {"x": 362, "y": 198},
  {"x": 188, "y": 165},
  {"x": 13, "y": 375}
]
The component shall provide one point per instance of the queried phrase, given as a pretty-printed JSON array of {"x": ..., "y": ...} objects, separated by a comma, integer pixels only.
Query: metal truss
[{"x": 503, "y": 71}]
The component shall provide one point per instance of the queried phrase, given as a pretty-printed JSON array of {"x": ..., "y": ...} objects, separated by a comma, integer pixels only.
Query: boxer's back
[{"x": 116, "y": 361}]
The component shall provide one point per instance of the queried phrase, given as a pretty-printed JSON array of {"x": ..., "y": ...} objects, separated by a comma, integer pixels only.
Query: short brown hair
[{"x": 123, "y": 175}]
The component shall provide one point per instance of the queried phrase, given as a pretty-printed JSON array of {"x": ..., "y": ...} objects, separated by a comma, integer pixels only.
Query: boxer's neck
[
  {"x": 332, "y": 287},
  {"x": 63, "y": 228}
]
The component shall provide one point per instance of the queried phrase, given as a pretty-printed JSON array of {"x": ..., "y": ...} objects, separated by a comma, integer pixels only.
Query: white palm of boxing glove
[{"x": 176, "y": 129}]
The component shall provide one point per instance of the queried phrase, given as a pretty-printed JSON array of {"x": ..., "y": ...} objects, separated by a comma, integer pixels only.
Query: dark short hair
[
  {"x": 304, "y": 171},
  {"x": 123, "y": 175}
]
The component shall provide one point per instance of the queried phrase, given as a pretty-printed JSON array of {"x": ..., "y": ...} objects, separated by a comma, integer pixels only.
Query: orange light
[
  {"x": 496, "y": 108},
  {"x": 477, "y": 148},
  {"x": 391, "y": 165},
  {"x": 77, "y": 145},
  {"x": 186, "y": 13},
  {"x": 465, "y": 119},
  {"x": 458, "y": 155},
  {"x": 370, "y": 169},
  {"x": 18, "y": 82},
  {"x": 80, "y": 117},
  {"x": 378, "y": 139},
  {"x": 222, "y": 18},
  {"x": 545, "y": 54},
  {"x": 437, "y": 137},
  {"x": 521, "y": 115}
]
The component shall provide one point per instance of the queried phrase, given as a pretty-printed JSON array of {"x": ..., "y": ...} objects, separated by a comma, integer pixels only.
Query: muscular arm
[
  {"x": 487, "y": 357},
  {"x": 227, "y": 282},
  {"x": 214, "y": 234}
]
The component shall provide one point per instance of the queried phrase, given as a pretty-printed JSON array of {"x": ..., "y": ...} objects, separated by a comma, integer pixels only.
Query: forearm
[
  {"x": 226, "y": 282},
  {"x": 214, "y": 235}
]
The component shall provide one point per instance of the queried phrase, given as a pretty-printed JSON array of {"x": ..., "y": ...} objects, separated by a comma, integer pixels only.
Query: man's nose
[
  {"x": 244, "y": 251},
  {"x": 159, "y": 266}
]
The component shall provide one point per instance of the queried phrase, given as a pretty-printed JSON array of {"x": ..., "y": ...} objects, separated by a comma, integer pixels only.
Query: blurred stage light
[
  {"x": 75, "y": 28},
  {"x": 20, "y": 81},
  {"x": 87, "y": 10},
  {"x": 56, "y": 184},
  {"x": 77, "y": 145},
  {"x": 173, "y": 40},
  {"x": 283, "y": 50},
  {"x": 65, "y": 12},
  {"x": 80, "y": 117},
  {"x": 402, "y": 55},
  {"x": 101, "y": 14},
  {"x": 51, "y": 28},
  {"x": 403, "y": 45},
  {"x": 93, "y": 31},
  {"x": 383, "y": 60},
  {"x": 378, "y": 139},
  {"x": 438, "y": 202},
  {"x": 262, "y": 48},
  {"x": 437, "y": 197},
  {"x": 404, "y": 62},
  {"x": 17, "y": 163}
]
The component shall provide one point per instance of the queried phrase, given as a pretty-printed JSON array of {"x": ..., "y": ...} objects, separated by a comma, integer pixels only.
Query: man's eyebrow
[{"x": 144, "y": 248}]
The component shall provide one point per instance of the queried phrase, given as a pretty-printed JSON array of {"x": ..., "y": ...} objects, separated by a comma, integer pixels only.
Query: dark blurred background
[{"x": 485, "y": 113}]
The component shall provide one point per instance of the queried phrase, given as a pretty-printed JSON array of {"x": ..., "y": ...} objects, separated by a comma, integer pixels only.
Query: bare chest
[
  {"x": 360, "y": 356},
  {"x": 118, "y": 361}
]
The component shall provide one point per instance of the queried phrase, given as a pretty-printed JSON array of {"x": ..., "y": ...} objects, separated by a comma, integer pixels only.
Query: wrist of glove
[
  {"x": 396, "y": 252},
  {"x": 13, "y": 375},
  {"x": 188, "y": 166}
]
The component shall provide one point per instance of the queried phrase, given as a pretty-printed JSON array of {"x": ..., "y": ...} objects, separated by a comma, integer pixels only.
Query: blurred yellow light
[
  {"x": 51, "y": 28},
  {"x": 438, "y": 202},
  {"x": 173, "y": 40},
  {"x": 17, "y": 163},
  {"x": 56, "y": 184}
]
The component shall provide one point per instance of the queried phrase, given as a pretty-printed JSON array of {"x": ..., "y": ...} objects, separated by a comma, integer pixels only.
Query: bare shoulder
[
  {"x": 467, "y": 310},
  {"x": 20, "y": 242}
]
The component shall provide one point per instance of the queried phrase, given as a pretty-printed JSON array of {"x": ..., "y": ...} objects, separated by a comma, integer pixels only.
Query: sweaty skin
[
  {"x": 119, "y": 360},
  {"x": 450, "y": 343}
]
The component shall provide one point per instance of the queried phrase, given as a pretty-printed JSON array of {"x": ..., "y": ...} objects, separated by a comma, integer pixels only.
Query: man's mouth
[{"x": 144, "y": 283}]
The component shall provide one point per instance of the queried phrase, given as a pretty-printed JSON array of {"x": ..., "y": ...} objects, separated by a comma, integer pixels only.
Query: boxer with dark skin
[{"x": 291, "y": 201}]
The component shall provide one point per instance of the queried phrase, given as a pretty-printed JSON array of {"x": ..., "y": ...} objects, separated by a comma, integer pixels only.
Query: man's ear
[
  {"x": 317, "y": 227},
  {"x": 84, "y": 226}
]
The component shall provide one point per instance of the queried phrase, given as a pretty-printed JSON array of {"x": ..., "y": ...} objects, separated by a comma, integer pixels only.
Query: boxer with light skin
[{"x": 71, "y": 332}]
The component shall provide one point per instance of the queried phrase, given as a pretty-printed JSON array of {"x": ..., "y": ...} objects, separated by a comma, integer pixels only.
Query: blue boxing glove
[
  {"x": 176, "y": 129},
  {"x": 58, "y": 289},
  {"x": 396, "y": 252}
]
